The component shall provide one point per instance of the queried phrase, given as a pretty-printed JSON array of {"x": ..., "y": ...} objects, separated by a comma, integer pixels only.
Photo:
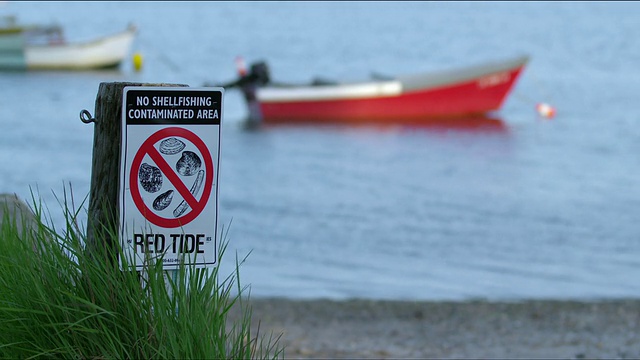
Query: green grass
[{"x": 59, "y": 301}]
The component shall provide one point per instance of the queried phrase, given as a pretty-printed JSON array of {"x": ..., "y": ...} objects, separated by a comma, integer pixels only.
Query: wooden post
[{"x": 103, "y": 213}]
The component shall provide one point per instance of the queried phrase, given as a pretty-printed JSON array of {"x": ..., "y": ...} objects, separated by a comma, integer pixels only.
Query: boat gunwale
[
  {"x": 329, "y": 92},
  {"x": 419, "y": 82}
]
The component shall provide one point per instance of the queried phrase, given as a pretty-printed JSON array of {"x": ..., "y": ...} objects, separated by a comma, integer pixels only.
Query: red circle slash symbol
[{"x": 148, "y": 148}]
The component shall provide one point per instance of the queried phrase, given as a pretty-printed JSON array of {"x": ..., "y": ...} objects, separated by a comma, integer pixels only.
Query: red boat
[{"x": 466, "y": 92}]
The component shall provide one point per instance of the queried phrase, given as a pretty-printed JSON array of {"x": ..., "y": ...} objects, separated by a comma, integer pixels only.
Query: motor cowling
[{"x": 260, "y": 73}]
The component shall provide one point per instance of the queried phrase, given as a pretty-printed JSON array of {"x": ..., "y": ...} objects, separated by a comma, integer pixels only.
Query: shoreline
[{"x": 558, "y": 329}]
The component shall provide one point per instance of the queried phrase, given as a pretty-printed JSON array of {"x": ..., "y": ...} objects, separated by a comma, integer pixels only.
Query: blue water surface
[{"x": 537, "y": 208}]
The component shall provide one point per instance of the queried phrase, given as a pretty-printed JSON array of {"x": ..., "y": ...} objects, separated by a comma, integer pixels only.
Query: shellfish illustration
[
  {"x": 163, "y": 200},
  {"x": 189, "y": 163},
  {"x": 195, "y": 188},
  {"x": 150, "y": 178},
  {"x": 171, "y": 146}
]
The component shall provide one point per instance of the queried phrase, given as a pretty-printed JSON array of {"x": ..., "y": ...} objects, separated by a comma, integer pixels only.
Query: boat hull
[
  {"x": 17, "y": 53},
  {"x": 478, "y": 91},
  {"x": 108, "y": 52}
]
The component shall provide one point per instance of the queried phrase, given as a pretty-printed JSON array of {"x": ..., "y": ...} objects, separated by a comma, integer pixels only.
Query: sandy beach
[{"x": 447, "y": 330}]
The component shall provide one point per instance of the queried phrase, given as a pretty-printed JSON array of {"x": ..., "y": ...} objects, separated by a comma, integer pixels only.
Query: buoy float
[
  {"x": 546, "y": 110},
  {"x": 137, "y": 61}
]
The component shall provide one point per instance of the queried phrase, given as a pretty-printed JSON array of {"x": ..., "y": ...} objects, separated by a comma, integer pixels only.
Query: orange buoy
[{"x": 546, "y": 110}]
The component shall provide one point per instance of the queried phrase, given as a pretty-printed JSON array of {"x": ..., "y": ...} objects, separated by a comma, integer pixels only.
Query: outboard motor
[
  {"x": 260, "y": 73},
  {"x": 249, "y": 83},
  {"x": 257, "y": 75}
]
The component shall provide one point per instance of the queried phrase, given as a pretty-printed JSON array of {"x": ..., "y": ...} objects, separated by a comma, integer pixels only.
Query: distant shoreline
[{"x": 449, "y": 329}]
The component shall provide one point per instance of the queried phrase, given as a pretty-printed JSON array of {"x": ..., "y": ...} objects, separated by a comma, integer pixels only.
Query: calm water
[{"x": 537, "y": 209}]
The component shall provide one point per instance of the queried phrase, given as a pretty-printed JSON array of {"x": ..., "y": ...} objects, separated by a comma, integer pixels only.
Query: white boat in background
[{"x": 45, "y": 48}]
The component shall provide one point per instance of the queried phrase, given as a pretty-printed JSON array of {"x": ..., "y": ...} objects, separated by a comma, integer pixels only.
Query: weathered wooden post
[{"x": 103, "y": 209}]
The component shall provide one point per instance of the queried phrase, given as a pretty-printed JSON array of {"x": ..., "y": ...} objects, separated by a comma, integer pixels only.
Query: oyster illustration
[
  {"x": 189, "y": 163},
  {"x": 163, "y": 200},
  {"x": 171, "y": 146},
  {"x": 150, "y": 178}
]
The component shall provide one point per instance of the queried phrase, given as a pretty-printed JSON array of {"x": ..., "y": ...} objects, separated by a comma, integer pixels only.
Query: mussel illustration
[
  {"x": 171, "y": 146},
  {"x": 150, "y": 178},
  {"x": 163, "y": 200},
  {"x": 189, "y": 163}
]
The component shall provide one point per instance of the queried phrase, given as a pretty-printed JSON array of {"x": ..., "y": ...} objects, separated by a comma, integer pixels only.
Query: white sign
[{"x": 170, "y": 159}]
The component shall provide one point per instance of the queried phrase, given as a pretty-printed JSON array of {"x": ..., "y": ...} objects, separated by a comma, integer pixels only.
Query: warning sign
[{"x": 169, "y": 175}]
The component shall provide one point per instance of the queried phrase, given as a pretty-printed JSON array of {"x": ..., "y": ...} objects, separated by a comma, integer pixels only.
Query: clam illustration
[
  {"x": 189, "y": 163},
  {"x": 150, "y": 178},
  {"x": 171, "y": 146}
]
